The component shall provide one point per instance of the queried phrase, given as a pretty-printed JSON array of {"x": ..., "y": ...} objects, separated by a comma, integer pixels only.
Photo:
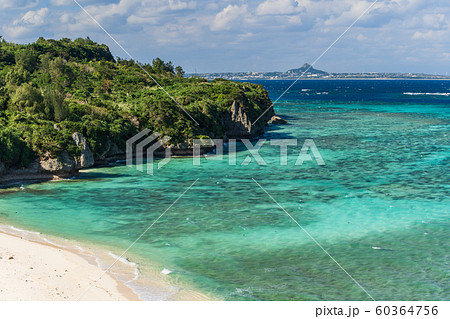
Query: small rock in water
[{"x": 277, "y": 120}]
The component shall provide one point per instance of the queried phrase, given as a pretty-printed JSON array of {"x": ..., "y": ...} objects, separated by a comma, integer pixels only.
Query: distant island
[{"x": 308, "y": 72}]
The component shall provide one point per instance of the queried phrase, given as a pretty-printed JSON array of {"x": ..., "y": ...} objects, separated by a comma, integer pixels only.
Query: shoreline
[
  {"x": 9, "y": 180},
  {"x": 48, "y": 268},
  {"x": 27, "y": 274}
]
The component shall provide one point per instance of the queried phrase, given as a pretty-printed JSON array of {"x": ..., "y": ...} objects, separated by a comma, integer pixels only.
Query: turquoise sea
[{"x": 380, "y": 206}]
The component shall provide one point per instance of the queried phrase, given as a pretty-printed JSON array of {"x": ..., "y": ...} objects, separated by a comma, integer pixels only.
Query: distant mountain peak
[
  {"x": 305, "y": 66},
  {"x": 308, "y": 69}
]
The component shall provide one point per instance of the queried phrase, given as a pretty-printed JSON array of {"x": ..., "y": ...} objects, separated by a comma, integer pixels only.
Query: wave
[
  {"x": 426, "y": 93},
  {"x": 126, "y": 261},
  {"x": 19, "y": 230}
]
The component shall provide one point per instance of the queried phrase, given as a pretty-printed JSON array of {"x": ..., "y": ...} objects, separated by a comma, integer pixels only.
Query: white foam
[
  {"x": 61, "y": 180},
  {"x": 426, "y": 93},
  {"x": 23, "y": 231},
  {"x": 375, "y": 247},
  {"x": 80, "y": 249},
  {"x": 51, "y": 242},
  {"x": 124, "y": 260},
  {"x": 166, "y": 271}
]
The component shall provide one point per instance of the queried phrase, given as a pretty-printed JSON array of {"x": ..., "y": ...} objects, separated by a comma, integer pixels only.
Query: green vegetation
[{"x": 52, "y": 88}]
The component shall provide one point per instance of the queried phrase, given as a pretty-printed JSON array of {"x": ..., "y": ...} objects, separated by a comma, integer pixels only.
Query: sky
[{"x": 260, "y": 36}]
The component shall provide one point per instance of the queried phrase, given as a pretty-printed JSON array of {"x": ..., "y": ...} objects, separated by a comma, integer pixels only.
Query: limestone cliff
[
  {"x": 87, "y": 158},
  {"x": 51, "y": 167},
  {"x": 238, "y": 124},
  {"x": 65, "y": 164}
]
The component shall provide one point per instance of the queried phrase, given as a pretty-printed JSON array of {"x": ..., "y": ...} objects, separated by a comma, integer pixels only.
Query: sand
[{"x": 37, "y": 271}]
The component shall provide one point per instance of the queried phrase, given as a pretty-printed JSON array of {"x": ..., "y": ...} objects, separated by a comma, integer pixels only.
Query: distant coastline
[{"x": 307, "y": 72}]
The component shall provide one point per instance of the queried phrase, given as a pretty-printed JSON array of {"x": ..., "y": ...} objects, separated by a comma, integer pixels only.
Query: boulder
[
  {"x": 277, "y": 120},
  {"x": 62, "y": 164},
  {"x": 87, "y": 158}
]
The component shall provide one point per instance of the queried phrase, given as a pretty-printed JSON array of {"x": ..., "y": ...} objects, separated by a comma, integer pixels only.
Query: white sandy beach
[{"x": 37, "y": 271}]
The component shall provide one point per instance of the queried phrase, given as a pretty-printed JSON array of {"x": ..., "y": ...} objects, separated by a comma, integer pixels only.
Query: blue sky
[{"x": 235, "y": 35}]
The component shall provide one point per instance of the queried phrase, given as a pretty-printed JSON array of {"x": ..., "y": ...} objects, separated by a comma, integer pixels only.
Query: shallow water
[{"x": 379, "y": 206}]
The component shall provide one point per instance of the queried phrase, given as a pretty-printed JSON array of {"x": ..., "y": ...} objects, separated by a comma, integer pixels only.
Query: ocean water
[{"x": 380, "y": 206}]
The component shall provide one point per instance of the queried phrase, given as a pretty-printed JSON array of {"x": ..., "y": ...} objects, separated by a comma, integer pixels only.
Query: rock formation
[
  {"x": 63, "y": 164},
  {"x": 86, "y": 158},
  {"x": 277, "y": 120},
  {"x": 50, "y": 167},
  {"x": 238, "y": 125}
]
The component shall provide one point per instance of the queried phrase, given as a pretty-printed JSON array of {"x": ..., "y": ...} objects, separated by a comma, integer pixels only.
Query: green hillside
[{"x": 52, "y": 88}]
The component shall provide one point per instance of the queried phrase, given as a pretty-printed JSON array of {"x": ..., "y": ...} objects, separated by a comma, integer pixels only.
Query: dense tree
[
  {"x": 16, "y": 76},
  {"x": 13, "y": 149},
  {"x": 27, "y": 59},
  {"x": 27, "y": 98},
  {"x": 179, "y": 71},
  {"x": 54, "y": 102}
]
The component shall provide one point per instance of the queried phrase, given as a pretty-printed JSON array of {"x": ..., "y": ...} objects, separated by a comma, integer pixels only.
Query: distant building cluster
[{"x": 308, "y": 72}]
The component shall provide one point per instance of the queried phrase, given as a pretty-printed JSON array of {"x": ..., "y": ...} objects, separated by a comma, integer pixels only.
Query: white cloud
[
  {"x": 27, "y": 23},
  {"x": 180, "y": 5},
  {"x": 33, "y": 18},
  {"x": 18, "y": 4},
  {"x": 434, "y": 35},
  {"x": 361, "y": 37},
  {"x": 61, "y": 2},
  {"x": 224, "y": 19},
  {"x": 274, "y": 7},
  {"x": 434, "y": 21}
]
